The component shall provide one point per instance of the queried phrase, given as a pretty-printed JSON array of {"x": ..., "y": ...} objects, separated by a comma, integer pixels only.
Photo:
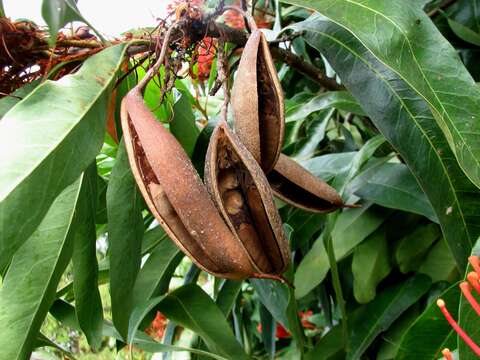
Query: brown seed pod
[
  {"x": 295, "y": 185},
  {"x": 176, "y": 196},
  {"x": 257, "y": 101},
  {"x": 246, "y": 203}
]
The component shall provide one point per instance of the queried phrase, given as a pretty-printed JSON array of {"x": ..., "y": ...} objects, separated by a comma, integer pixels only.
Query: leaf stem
[{"x": 337, "y": 286}]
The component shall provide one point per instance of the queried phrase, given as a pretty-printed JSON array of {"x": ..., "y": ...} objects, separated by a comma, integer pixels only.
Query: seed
[
  {"x": 227, "y": 180},
  {"x": 233, "y": 201}
]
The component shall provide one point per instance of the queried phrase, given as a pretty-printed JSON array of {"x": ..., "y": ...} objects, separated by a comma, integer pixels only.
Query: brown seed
[
  {"x": 249, "y": 236},
  {"x": 227, "y": 180},
  {"x": 233, "y": 202},
  {"x": 259, "y": 121}
]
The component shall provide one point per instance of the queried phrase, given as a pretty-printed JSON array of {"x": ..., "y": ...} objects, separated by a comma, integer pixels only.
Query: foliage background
[{"x": 86, "y": 270}]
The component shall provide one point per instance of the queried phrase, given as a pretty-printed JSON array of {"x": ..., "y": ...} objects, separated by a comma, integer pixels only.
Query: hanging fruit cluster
[{"x": 229, "y": 226}]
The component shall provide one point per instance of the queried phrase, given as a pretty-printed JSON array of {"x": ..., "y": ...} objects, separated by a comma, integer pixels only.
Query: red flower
[
  {"x": 157, "y": 327},
  {"x": 280, "y": 333},
  {"x": 206, "y": 53}
]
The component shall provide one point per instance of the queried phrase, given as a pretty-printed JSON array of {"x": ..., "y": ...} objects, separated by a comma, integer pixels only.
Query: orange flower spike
[
  {"x": 467, "y": 292},
  {"x": 475, "y": 348},
  {"x": 475, "y": 262},
  {"x": 473, "y": 279},
  {"x": 447, "y": 354}
]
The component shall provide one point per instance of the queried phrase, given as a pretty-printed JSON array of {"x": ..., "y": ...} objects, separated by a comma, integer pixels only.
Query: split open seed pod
[
  {"x": 258, "y": 103},
  {"x": 298, "y": 187},
  {"x": 176, "y": 196},
  {"x": 243, "y": 196}
]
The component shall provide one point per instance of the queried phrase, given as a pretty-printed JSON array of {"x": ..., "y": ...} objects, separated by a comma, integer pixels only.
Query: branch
[
  {"x": 443, "y": 6},
  {"x": 239, "y": 38}
]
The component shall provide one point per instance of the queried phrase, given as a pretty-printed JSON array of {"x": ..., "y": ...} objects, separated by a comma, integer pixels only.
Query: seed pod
[
  {"x": 249, "y": 209},
  {"x": 295, "y": 185},
  {"x": 176, "y": 196},
  {"x": 257, "y": 101}
]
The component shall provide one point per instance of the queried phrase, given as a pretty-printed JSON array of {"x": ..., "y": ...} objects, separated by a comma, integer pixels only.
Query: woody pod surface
[
  {"x": 258, "y": 103},
  {"x": 175, "y": 194},
  {"x": 259, "y": 122}
]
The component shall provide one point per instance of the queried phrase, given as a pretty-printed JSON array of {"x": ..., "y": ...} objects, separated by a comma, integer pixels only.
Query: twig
[
  {"x": 243, "y": 5},
  {"x": 223, "y": 76},
  {"x": 154, "y": 69},
  {"x": 286, "y": 38},
  {"x": 305, "y": 68},
  {"x": 239, "y": 38},
  {"x": 446, "y": 4}
]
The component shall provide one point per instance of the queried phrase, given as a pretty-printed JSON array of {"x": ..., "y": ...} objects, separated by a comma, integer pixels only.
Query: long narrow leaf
[
  {"x": 30, "y": 284},
  {"x": 375, "y": 317},
  {"x": 407, "y": 123},
  {"x": 65, "y": 313},
  {"x": 47, "y": 140},
  {"x": 154, "y": 277},
  {"x": 88, "y": 304},
  {"x": 189, "y": 306},
  {"x": 125, "y": 232},
  {"x": 403, "y": 38}
]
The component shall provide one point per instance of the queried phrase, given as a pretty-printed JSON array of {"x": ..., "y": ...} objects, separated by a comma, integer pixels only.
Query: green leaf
[
  {"x": 125, "y": 232},
  {"x": 439, "y": 263},
  {"x": 269, "y": 330},
  {"x": 430, "y": 333},
  {"x": 329, "y": 346},
  {"x": 84, "y": 259},
  {"x": 43, "y": 341},
  {"x": 65, "y": 313},
  {"x": 394, "y": 186},
  {"x": 328, "y": 166},
  {"x": 406, "y": 121},
  {"x": 38, "y": 164},
  {"x": 370, "y": 265},
  {"x": 2, "y": 11},
  {"x": 274, "y": 296},
  {"x": 163, "y": 111},
  {"x": 154, "y": 277},
  {"x": 154, "y": 347},
  {"x": 201, "y": 146},
  {"x": 30, "y": 284},
  {"x": 58, "y": 13},
  {"x": 390, "y": 340},
  {"x": 280, "y": 301},
  {"x": 306, "y": 224},
  {"x": 9, "y": 101},
  {"x": 315, "y": 135},
  {"x": 191, "y": 307},
  {"x": 403, "y": 38},
  {"x": 468, "y": 319},
  {"x": 228, "y": 295},
  {"x": 361, "y": 158},
  {"x": 351, "y": 228},
  {"x": 377, "y": 316},
  {"x": 413, "y": 247},
  {"x": 464, "y": 32},
  {"x": 183, "y": 126},
  {"x": 334, "y": 99}
]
